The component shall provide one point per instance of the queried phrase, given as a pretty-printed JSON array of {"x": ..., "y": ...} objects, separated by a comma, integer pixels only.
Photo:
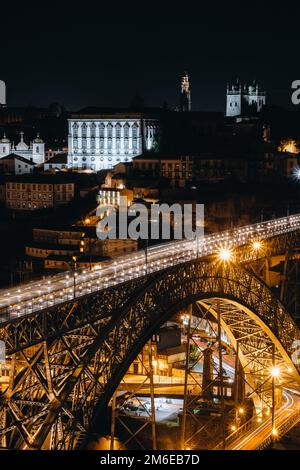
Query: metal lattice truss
[
  {"x": 257, "y": 349},
  {"x": 68, "y": 360}
]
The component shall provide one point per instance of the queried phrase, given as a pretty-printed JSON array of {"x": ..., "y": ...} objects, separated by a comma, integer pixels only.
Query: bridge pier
[{"x": 119, "y": 405}]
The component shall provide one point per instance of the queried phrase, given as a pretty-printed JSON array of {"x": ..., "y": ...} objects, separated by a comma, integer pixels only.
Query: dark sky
[{"x": 100, "y": 52}]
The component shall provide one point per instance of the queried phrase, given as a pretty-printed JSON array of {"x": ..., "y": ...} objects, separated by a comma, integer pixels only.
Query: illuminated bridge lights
[
  {"x": 225, "y": 254},
  {"x": 256, "y": 245},
  {"x": 275, "y": 371},
  {"x": 159, "y": 257}
]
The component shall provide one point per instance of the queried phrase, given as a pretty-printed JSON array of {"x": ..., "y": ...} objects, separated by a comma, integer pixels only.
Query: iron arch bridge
[{"x": 68, "y": 360}]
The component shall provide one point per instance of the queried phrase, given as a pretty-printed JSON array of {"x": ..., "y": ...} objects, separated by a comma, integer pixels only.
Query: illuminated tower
[
  {"x": 234, "y": 99},
  {"x": 185, "y": 95},
  {"x": 241, "y": 98},
  {"x": 2, "y": 93}
]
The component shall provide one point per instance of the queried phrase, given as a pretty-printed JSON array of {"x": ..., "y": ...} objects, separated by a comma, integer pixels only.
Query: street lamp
[
  {"x": 296, "y": 173},
  {"x": 225, "y": 254},
  {"x": 275, "y": 371},
  {"x": 256, "y": 245}
]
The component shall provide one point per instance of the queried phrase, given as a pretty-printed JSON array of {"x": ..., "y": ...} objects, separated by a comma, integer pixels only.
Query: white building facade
[
  {"x": 240, "y": 96},
  {"x": 100, "y": 142},
  {"x": 35, "y": 152},
  {"x": 16, "y": 165}
]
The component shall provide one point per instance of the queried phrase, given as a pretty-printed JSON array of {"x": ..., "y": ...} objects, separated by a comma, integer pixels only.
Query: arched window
[
  {"x": 101, "y": 130},
  {"x": 118, "y": 130},
  {"x": 126, "y": 130},
  {"x": 83, "y": 130},
  {"x": 109, "y": 130},
  {"x": 93, "y": 130},
  {"x": 135, "y": 130},
  {"x": 75, "y": 130}
]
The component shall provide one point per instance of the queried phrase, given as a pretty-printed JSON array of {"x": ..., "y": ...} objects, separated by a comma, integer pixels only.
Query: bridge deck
[{"x": 53, "y": 290}]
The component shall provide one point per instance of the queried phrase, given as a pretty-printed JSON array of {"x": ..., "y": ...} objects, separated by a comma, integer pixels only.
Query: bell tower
[
  {"x": 2, "y": 93},
  {"x": 185, "y": 95}
]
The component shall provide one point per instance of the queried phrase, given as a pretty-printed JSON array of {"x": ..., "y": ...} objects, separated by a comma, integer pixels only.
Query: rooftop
[
  {"x": 13, "y": 156},
  {"x": 92, "y": 112},
  {"x": 53, "y": 246},
  {"x": 156, "y": 157},
  {"x": 57, "y": 178},
  {"x": 87, "y": 230},
  {"x": 58, "y": 158}
]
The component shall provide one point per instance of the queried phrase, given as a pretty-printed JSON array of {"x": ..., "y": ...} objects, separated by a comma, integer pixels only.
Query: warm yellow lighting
[
  {"x": 256, "y": 245},
  {"x": 275, "y": 371},
  {"x": 259, "y": 420},
  {"x": 274, "y": 432},
  {"x": 233, "y": 427},
  {"x": 241, "y": 411},
  {"x": 289, "y": 146},
  {"x": 87, "y": 221},
  {"x": 225, "y": 254},
  {"x": 289, "y": 369}
]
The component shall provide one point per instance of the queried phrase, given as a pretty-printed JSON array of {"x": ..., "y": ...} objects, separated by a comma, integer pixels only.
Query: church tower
[
  {"x": 185, "y": 95},
  {"x": 5, "y": 147},
  {"x": 38, "y": 150},
  {"x": 2, "y": 93},
  {"x": 234, "y": 99},
  {"x": 242, "y": 100}
]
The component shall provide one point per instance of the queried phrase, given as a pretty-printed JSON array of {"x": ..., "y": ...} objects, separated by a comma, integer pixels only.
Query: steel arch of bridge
[{"x": 64, "y": 377}]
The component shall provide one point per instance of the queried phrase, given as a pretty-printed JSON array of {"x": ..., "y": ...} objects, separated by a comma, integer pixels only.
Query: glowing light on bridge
[
  {"x": 275, "y": 371},
  {"x": 225, "y": 254},
  {"x": 296, "y": 173},
  {"x": 256, "y": 245}
]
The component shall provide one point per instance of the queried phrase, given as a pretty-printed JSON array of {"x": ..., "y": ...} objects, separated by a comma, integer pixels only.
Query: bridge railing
[
  {"x": 282, "y": 430},
  {"x": 249, "y": 425},
  {"x": 172, "y": 253}
]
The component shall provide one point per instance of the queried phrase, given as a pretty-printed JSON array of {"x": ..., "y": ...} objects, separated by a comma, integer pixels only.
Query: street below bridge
[{"x": 260, "y": 435}]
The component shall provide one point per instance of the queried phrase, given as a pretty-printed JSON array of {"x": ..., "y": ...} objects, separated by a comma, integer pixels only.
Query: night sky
[{"x": 101, "y": 52}]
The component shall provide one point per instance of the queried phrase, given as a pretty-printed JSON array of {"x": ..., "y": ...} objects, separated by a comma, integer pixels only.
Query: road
[
  {"x": 53, "y": 290},
  {"x": 253, "y": 438}
]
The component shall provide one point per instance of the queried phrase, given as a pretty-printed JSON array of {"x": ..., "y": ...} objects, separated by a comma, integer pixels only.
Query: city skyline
[
  {"x": 72, "y": 56},
  {"x": 150, "y": 228}
]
